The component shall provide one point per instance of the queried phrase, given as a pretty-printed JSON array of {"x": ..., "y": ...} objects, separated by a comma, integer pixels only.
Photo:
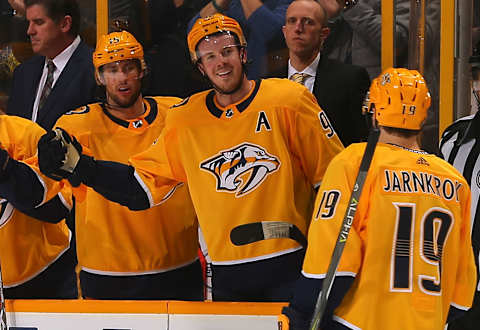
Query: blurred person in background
[
  {"x": 261, "y": 21},
  {"x": 339, "y": 88}
]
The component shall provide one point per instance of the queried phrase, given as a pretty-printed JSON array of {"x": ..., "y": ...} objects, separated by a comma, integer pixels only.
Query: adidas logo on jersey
[
  {"x": 422, "y": 161},
  {"x": 242, "y": 168}
]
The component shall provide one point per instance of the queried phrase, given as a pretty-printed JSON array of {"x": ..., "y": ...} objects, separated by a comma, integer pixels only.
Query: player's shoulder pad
[
  {"x": 79, "y": 111},
  {"x": 283, "y": 91},
  {"x": 164, "y": 101},
  {"x": 196, "y": 99}
]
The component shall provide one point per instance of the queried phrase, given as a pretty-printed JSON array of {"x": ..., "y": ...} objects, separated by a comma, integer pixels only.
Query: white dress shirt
[{"x": 310, "y": 70}]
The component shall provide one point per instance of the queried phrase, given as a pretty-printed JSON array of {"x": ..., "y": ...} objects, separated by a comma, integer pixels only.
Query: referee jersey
[{"x": 460, "y": 146}]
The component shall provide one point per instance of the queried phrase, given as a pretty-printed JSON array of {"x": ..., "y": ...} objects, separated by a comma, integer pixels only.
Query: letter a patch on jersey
[
  {"x": 242, "y": 168},
  {"x": 262, "y": 122}
]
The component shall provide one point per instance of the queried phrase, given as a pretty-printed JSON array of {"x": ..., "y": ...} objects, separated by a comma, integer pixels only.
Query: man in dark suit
[
  {"x": 339, "y": 88},
  {"x": 61, "y": 77}
]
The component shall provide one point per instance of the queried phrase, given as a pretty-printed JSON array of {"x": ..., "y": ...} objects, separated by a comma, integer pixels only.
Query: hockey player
[
  {"x": 36, "y": 259},
  {"x": 123, "y": 254},
  {"x": 249, "y": 150},
  {"x": 408, "y": 261}
]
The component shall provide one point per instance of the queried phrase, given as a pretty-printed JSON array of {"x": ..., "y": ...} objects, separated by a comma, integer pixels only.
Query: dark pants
[
  {"x": 258, "y": 281},
  {"x": 58, "y": 281},
  {"x": 185, "y": 283},
  {"x": 470, "y": 320}
]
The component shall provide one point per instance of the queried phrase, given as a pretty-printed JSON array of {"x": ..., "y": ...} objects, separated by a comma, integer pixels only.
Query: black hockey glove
[
  {"x": 297, "y": 320},
  {"x": 58, "y": 154}
]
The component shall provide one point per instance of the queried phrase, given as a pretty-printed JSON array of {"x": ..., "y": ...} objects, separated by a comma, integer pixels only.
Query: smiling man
[{"x": 250, "y": 151}]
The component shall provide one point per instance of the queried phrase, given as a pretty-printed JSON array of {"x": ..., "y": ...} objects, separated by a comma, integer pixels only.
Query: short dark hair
[
  {"x": 57, "y": 9},
  {"x": 401, "y": 132}
]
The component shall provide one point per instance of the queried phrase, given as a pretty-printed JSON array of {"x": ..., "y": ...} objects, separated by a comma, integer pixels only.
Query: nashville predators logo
[
  {"x": 6, "y": 212},
  {"x": 242, "y": 168}
]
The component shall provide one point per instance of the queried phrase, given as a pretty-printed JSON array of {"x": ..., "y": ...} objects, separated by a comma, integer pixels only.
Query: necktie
[
  {"x": 47, "y": 88},
  {"x": 299, "y": 77}
]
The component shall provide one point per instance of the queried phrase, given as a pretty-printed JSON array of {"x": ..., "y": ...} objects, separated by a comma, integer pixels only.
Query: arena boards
[{"x": 140, "y": 315}]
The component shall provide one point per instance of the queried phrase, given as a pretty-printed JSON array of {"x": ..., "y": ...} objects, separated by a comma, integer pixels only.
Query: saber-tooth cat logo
[{"x": 242, "y": 168}]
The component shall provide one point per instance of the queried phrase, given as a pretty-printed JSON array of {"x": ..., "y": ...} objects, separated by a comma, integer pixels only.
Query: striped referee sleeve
[{"x": 460, "y": 146}]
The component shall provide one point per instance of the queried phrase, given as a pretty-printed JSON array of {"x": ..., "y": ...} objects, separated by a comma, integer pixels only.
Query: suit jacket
[
  {"x": 75, "y": 87},
  {"x": 340, "y": 90}
]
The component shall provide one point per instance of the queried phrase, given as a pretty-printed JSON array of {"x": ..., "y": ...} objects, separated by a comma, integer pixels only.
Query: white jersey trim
[
  {"x": 266, "y": 256},
  {"x": 322, "y": 276},
  {"x": 463, "y": 308},
  {"x": 345, "y": 323},
  {"x": 64, "y": 201},
  {"x": 145, "y": 188},
  {"x": 148, "y": 272}
]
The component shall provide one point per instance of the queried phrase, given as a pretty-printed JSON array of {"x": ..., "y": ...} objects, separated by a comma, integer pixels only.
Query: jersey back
[{"x": 409, "y": 245}]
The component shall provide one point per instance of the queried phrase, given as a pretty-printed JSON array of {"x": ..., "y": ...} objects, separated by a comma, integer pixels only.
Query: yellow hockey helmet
[
  {"x": 117, "y": 46},
  {"x": 216, "y": 23},
  {"x": 399, "y": 98}
]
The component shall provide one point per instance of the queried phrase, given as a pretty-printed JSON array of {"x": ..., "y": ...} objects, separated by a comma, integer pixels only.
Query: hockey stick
[
  {"x": 3, "y": 319},
  {"x": 344, "y": 229},
  {"x": 258, "y": 231}
]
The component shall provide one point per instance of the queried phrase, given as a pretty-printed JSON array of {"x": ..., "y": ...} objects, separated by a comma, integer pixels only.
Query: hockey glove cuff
[{"x": 297, "y": 320}]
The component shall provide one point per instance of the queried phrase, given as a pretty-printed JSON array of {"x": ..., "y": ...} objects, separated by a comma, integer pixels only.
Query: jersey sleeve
[
  {"x": 465, "y": 284},
  {"x": 158, "y": 169},
  {"x": 22, "y": 186},
  {"x": 313, "y": 138},
  {"x": 330, "y": 207}
]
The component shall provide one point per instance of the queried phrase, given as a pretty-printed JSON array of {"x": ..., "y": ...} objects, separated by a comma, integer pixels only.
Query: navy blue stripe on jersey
[
  {"x": 153, "y": 110},
  {"x": 113, "y": 118},
  {"x": 211, "y": 105},
  {"x": 115, "y": 181},
  {"x": 245, "y": 104},
  {"x": 21, "y": 186},
  {"x": 52, "y": 211},
  {"x": 149, "y": 118}
]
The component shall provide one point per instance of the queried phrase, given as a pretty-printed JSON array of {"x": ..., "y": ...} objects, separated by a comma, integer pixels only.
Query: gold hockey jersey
[
  {"x": 256, "y": 160},
  {"x": 409, "y": 246},
  {"x": 27, "y": 246},
  {"x": 111, "y": 239}
]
